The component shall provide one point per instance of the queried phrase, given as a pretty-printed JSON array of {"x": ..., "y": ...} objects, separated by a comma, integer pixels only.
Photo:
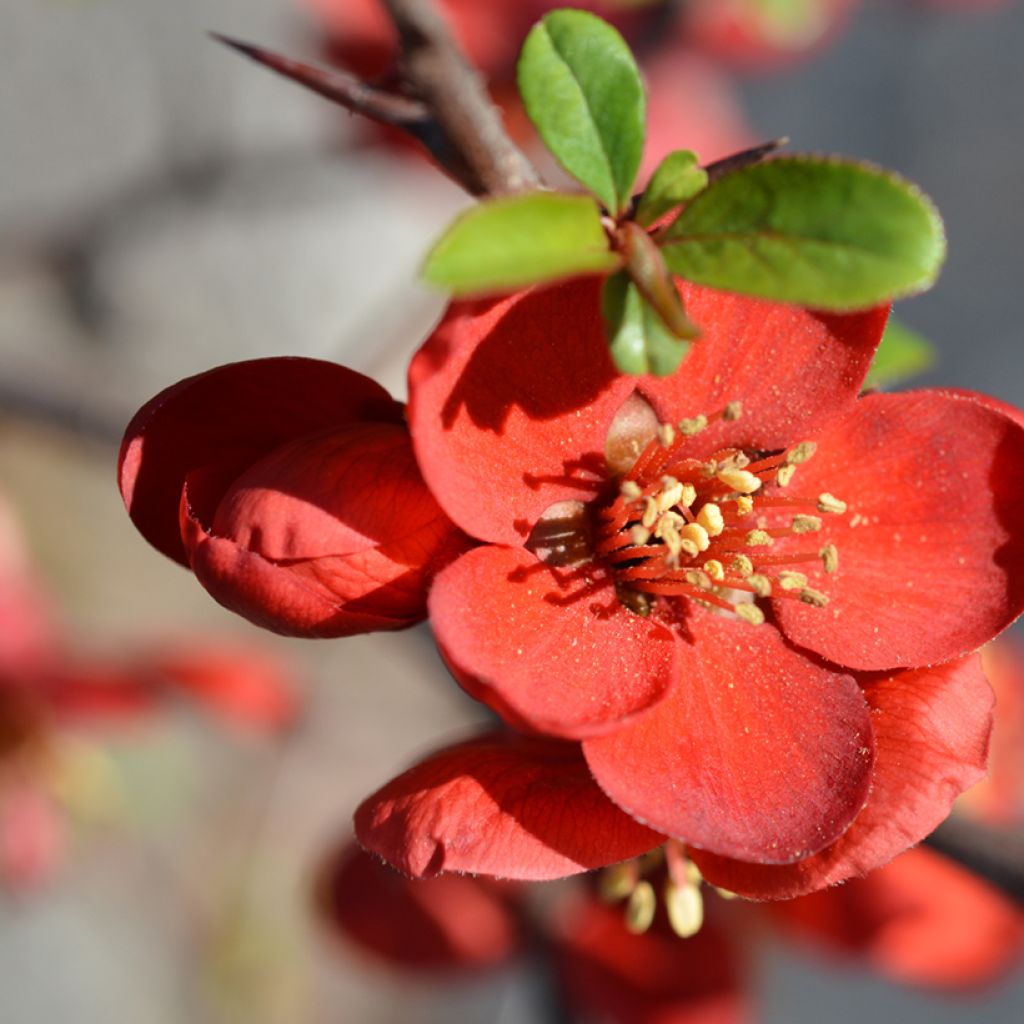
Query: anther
[
  {"x": 801, "y": 453},
  {"x": 761, "y": 584},
  {"x": 759, "y": 539},
  {"x": 666, "y": 435},
  {"x": 641, "y": 907},
  {"x": 618, "y": 881},
  {"x": 744, "y": 505},
  {"x": 750, "y": 613},
  {"x": 692, "y": 426},
  {"x": 639, "y": 535},
  {"x": 830, "y": 503},
  {"x": 813, "y": 597},
  {"x": 742, "y": 565},
  {"x": 696, "y": 533},
  {"x": 685, "y": 908},
  {"x": 715, "y": 569},
  {"x": 741, "y": 480},
  {"x": 710, "y": 517},
  {"x": 689, "y": 547},
  {"x": 650, "y": 516},
  {"x": 689, "y": 495},
  {"x": 668, "y": 520},
  {"x": 785, "y": 474},
  {"x": 670, "y": 496},
  {"x": 806, "y": 524},
  {"x": 630, "y": 490},
  {"x": 789, "y": 580},
  {"x": 733, "y": 411},
  {"x": 699, "y": 579},
  {"x": 829, "y": 556}
]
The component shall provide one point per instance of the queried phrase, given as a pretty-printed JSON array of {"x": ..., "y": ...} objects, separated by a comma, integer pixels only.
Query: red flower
[
  {"x": 921, "y": 919},
  {"x": 290, "y": 488},
  {"x": 614, "y": 601}
]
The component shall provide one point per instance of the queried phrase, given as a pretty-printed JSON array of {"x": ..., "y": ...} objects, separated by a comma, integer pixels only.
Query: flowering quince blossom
[
  {"x": 739, "y": 602},
  {"x": 737, "y": 606}
]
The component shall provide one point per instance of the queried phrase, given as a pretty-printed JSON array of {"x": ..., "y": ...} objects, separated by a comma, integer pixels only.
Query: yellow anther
[
  {"x": 618, "y": 881},
  {"x": 666, "y": 435},
  {"x": 792, "y": 580},
  {"x": 750, "y": 613},
  {"x": 741, "y": 480},
  {"x": 830, "y": 503},
  {"x": 733, "y": 411},
  {"x": 710, "y": 517},
  {"x": 742, "y": 565},
  {"x": 696, "y": 533},
  {"x": 670, "y": 535},
  {"x": 813, "y": 597},
  {"x": 801, "y": 452},
  {"x": 744, "y": 505},
  {"x": 715, "y": 569},
  {"x": 761, "y": 584},
  {"x": 641, "y": 907},
  {"x": 709, "y": 469},
  {"x": 668, "y": 520},
  {"x": 685, "y": 907},
  {"x": 689, "y": 547},
  {"x": 759, "y": 539},
  {"x": 738, "y": 461},
  {"x": 639, "y": 535},
  {"x": 689, "y": 495},
  {"x": 699, "y": 579},
  {"x": 785, "y": 474},
  {"x": 630, "y": 490},
  {"x": 692, "y": 426},
  {"x": 725, "y": 894},
  {"x": 829, "y": 555},
  {"x": 806, "y": 524},
  {"x": 650, "y": 516},
  {"x": 670, "y": 496}
]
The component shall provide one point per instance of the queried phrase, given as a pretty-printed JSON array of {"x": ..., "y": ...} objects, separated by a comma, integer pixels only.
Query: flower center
[{"x": 707, "y": 529}]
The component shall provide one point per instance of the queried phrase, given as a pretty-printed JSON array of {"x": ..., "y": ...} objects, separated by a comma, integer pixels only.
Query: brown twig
[
  {"x": 443, "y": 103},
  {"x": 744, "y": 158}
]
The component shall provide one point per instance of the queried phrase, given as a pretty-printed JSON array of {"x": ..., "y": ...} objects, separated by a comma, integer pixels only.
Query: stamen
[
  {"x": 630, "y": 490},
  {"x": 759, "y": 539},
  {"x": 689, "y": 495},
  {"x": 715, "y": 569},
  {"x": 750, "y": 613},
  {"x": 741, "y": 480},
  {"x": 743, "y": 565},
  {"x": 710, "y": 517},
  {"x": 666, "y": 435},
  {"x": 829, "y": 555},
  {"x": 792, "y": 580},
  {"x": 698, "y": 534},
  {"x": 800, "y": 453},
  {"x": 694, "y": 425},
  {"x": 685, "y": 908},
  {"x": 813, "y": 597},
  {"x": 618, "y": 881},
  {"x": 761, "y": 585},
  {"x": 639, "y": 535},
  {"x": 733, "y": 411},
  {"x": 744, "y": 505},
  {"x": 670, "y": 495},
  {"x": 785, "y": 474},
  {"x": 641, "y": 907},
  {"x": 806, "y": 524},
  {"x": 829, "y": 503},
  {"x": 651, "y": 512}
]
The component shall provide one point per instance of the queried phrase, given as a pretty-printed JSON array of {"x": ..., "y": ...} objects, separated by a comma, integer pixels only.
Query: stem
[{"x": 455, "y": 94}]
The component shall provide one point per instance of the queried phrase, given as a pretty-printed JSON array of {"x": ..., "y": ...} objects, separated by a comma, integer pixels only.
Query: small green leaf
[
  {"x": 639, "y": 340},
  {"x": 902, "y": 354},
  {"x": 824, "y": 233},
  {"x": 583, "y": 93},
  {"x": 504, "y": 244},
  {"x": 679, "y": 177}
]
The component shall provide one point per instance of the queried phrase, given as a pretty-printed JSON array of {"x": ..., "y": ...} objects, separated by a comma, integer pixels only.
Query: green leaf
[
  {"x": 639, "y": 340},
  {"x": 824, "y": 233},
  {"x": 583, "y": 93},
  {"x": 902, "y": 354},
  {"x": 504, "y": 244},
  {"x": 679, "y": 177}
]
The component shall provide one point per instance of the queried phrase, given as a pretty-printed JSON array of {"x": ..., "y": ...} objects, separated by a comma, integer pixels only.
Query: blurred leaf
[
  {"x": 583, "y": 93},
  {"x": 647, "y": 270},
  {"x": 678, "y": 177},
  {"x": 639, "y": 340},
  {"x": 902, "y": 354},
  {"x": 824, "y": 233},
  {"x": 506, "y": 243}
]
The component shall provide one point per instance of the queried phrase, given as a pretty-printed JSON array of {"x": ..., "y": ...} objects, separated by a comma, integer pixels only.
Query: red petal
[
  {"x": 931, "y": 740},
  {"x": 565, "y": 659},
  {"x": 502, "y": 804},
  {"x": 611, "y": 974},
  {"x": 792, "y": 369},
  {"x": 232, "y": 416},
  {"x": 931, "y": 549},
  {"x": 757, "y": 752},
  {"x": 921, "y": 919},
  {"x": 330, "y": 535},
  {"x": 449, "y": 923},
  {"x": 509, "y": 405}
]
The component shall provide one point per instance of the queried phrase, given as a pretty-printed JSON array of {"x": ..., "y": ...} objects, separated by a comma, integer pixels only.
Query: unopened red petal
[
  {"x": 932, "y": 730},
  {"x": 548, "y": 649},
  {"x": 931, "y": 547},
  {"x": 232, "y": 416},
  {"x": 503, "y": 804},
  {"x": 757, "y": 752}
]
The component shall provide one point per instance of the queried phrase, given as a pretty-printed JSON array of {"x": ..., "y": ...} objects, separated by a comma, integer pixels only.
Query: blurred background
[{"x": 167, "y": 206}]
